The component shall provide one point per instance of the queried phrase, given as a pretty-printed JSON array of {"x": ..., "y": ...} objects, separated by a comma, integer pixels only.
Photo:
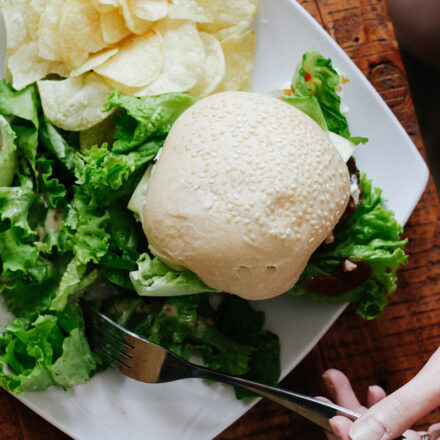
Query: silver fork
[{"x": 146, "y": 361}]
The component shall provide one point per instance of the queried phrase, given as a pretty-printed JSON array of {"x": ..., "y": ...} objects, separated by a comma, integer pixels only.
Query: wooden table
[{"x": 388, "y": 352}]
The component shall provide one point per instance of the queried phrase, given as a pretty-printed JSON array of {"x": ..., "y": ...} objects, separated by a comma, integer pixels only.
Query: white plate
[{"x": 114, "y": 407}]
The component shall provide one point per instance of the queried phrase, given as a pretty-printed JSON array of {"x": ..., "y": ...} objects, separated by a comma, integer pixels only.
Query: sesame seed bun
[{"x": 244, "y": 191}]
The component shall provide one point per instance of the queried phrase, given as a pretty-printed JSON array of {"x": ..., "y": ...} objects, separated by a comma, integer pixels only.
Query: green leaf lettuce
[
  {"x": 316, "y": 77},
  {"x": 145, "y": 118},
  {"x": 8, "y": 153},
  {"x": 50, "y": 350},
  {"x": 21, "y": 109},
  {"x": 154, "y": 278}
]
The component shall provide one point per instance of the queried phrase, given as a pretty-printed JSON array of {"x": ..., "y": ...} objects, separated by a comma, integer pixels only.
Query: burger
[{"x": 246, "y": 188}]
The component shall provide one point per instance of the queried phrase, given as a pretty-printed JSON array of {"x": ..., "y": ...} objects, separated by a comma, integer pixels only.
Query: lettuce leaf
[
  {"x": 85, "y": 227},
  {"x": 50, "y": 350},
  {"x": 21, "y": 108},
  {"x": 28, "y": 278},
  {"x": 34, "y": 273},
  {"x": 53, "y": 191},
  {"x": 55, "y": 144},
  {"x": 310, "y": 106},
  {"x": 154, "y": 278},
  {"x": 372, "y": 235},
  {"x": 316, "y": 77},
  {"x": 124, "y": 239},
  {"x": 124, "y": 231},
  {"x": 31, "y": 294},
  {"x": 8, "y": 153},
  {"x": 15, "y": 204},
  {"x": 100, "y": 172},
  {"x": 145, "y": 118},
  {"x": 74, "y": 281},
  {"x": 17, "y": 255},
  {"x": 22, "y": 104}
]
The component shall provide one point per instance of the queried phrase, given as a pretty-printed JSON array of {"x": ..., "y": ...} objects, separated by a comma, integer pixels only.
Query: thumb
[{"x": 393, "y": 415}]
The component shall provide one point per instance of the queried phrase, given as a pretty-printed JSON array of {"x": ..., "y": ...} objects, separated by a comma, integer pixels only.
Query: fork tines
[{"x": 108, "y": 340}]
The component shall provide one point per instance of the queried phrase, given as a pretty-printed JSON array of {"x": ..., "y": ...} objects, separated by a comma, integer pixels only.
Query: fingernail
[
  {"x": 367, "y": 429},
  {"x": 328, "y": 383}
]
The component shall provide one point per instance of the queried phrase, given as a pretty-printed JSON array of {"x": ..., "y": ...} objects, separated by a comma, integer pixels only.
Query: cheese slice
[{"x": 343, "y": 145}]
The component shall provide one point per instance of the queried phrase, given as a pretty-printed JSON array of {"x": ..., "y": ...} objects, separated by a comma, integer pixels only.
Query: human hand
[{"x": 385, "y": 418}]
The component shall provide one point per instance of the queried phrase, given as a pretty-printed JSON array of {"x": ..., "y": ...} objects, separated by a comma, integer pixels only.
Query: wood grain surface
[{"x": 387, "y": 352}]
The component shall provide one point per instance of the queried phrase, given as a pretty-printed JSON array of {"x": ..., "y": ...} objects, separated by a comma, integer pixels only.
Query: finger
[
  {"x": 375, "y": 394},
  {"x": 412, "y": 435},
  {"x": 433, "y": 428},
  {"x": 434, "y": 431},
  {"x": 340, "y": 426},
  {"x": 397, "y": 412},
  {"x": 340, "y": 389},
  {"x": 433, "y": 363}
]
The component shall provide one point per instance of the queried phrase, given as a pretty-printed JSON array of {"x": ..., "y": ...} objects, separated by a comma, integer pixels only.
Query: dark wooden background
[{"x": 387, "y": 352}]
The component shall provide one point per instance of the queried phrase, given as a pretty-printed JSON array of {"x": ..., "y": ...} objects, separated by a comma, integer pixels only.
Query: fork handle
[{"x": 315, "y": 410}]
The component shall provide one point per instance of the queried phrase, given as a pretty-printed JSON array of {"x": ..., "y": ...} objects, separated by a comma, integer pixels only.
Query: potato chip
[
  {"x": 200, "y": 11},
  {"x": 105, "y": 6},
  {"x": 113, "y": 27},
  {"x": 94, "y": 61},
  {"x": 81, "y": 33},
  {"x": 239, "y": 51},
  {"x": 214, "y": 67},
  {"x": 48, "y": 30},
  {"x": 124, "y": 89},
  {"x": 74, "y": 104},
  {"x": 26, "y": 66},
  {"x": 60, "y": 69},
  {"x": 21, "y": 22},
  {"x": 138, "y": 62},
  {"x": 183, "y": 58},
  {"x": 15, "y": 23},
  {"x": 34, "y": 9},
  {"x": 232, "y": 18},
  {"x": 135, "y": 24},
  {"x": 37, "y": 6},
  {"x": 151, "y": 10},
  {"x": 238, "y": 29}
]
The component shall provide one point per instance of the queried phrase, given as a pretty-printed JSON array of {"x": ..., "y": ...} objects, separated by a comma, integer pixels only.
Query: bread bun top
[{"x": 245, "y": 189}]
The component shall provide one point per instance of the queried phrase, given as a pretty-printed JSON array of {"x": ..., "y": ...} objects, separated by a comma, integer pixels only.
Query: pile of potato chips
[{"x": 140, "y": 47}]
